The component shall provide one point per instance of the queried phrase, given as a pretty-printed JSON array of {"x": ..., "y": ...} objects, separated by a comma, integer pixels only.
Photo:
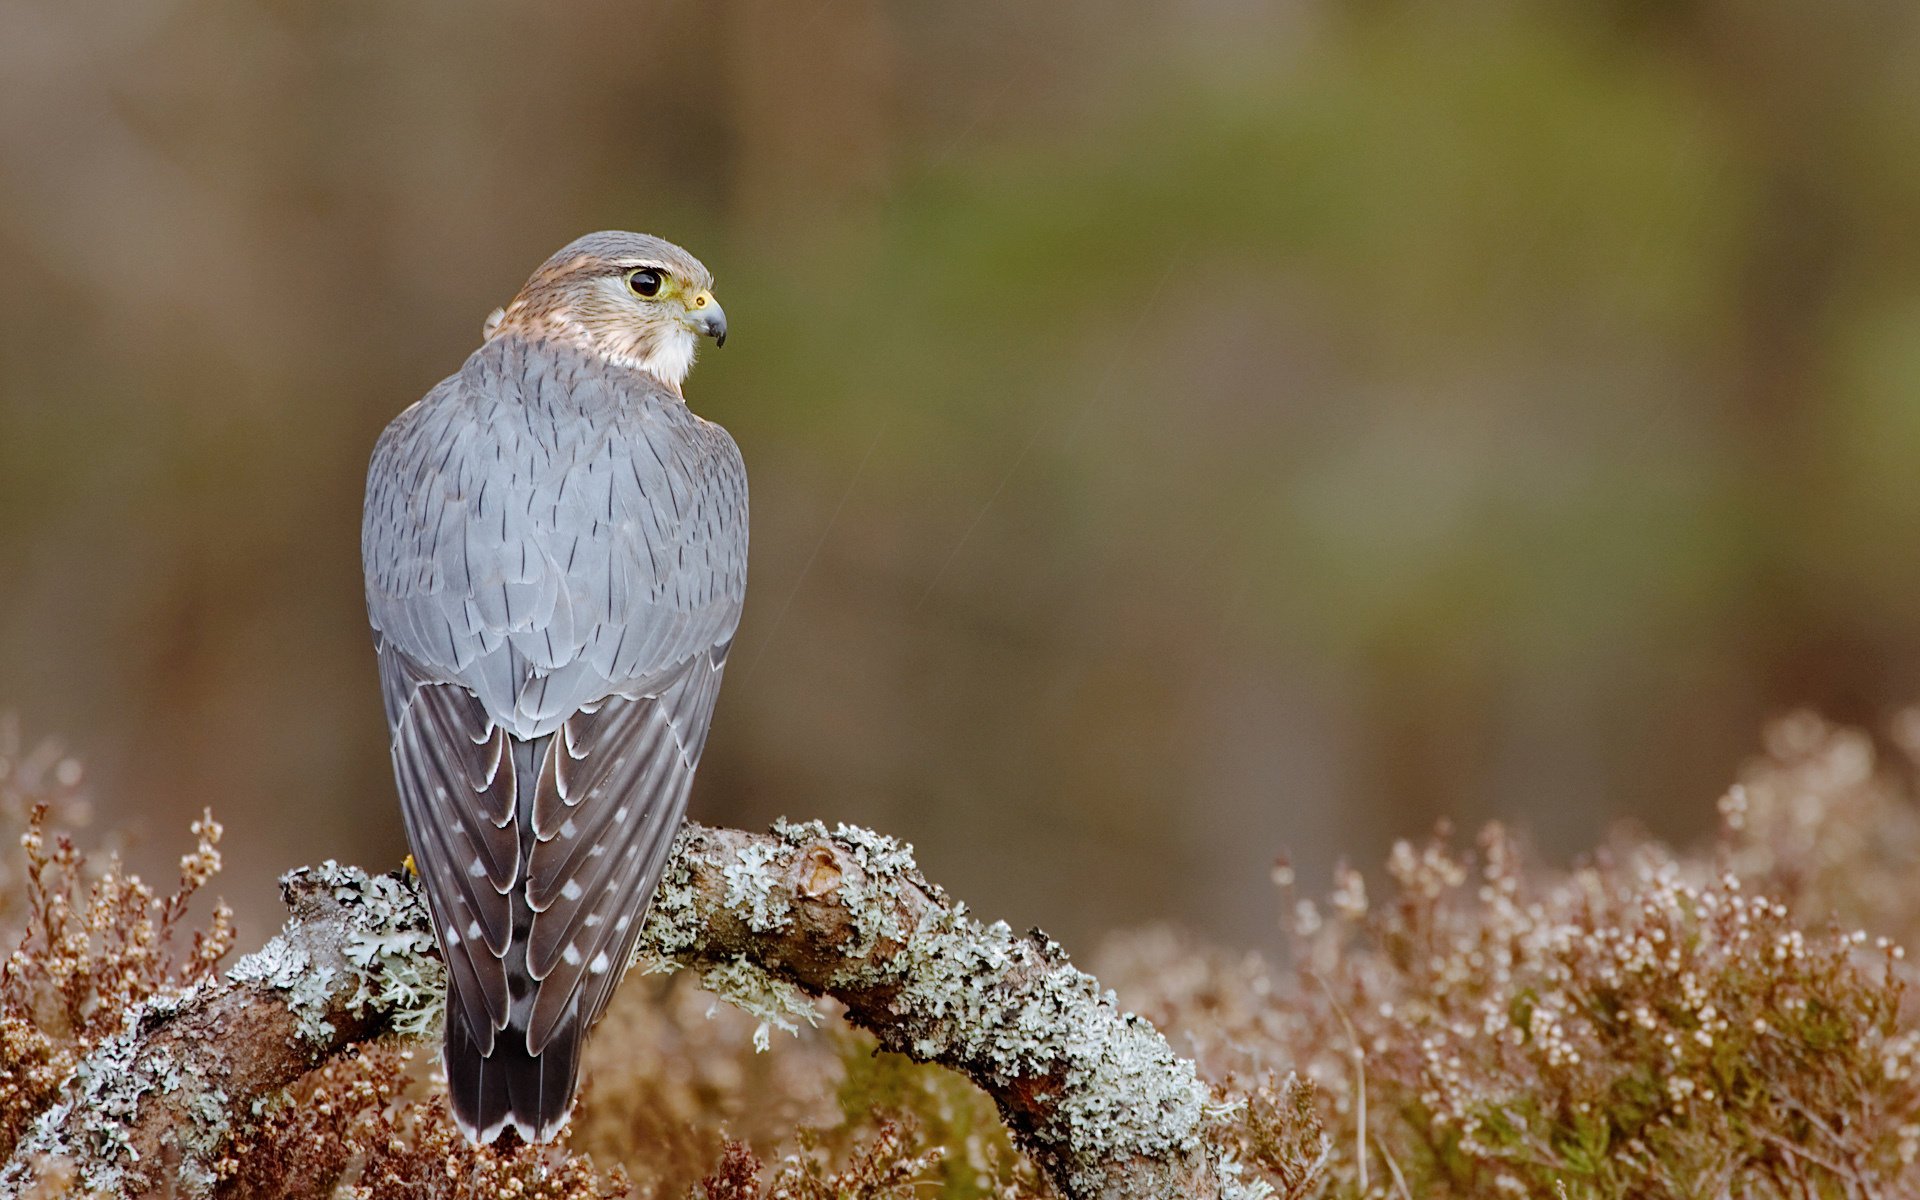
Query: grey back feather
[{"x": 548, "y": 529}]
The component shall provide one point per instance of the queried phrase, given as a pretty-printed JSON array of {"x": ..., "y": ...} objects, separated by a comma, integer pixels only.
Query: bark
[{"x": 1095, "y": 1095}]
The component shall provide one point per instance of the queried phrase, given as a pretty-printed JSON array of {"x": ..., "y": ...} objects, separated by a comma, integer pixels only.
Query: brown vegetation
[
  {"x": 87, "y": 944},
  {"x": 1644, "y": 1024}
]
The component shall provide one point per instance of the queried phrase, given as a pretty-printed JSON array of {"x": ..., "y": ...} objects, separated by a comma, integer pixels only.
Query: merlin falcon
[{"x": 556, "y": 554}]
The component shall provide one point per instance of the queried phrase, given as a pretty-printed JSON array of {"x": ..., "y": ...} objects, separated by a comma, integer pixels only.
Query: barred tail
[
  {"x": 509, "y": 1085},
  {"x": 530, "y": 1092}
]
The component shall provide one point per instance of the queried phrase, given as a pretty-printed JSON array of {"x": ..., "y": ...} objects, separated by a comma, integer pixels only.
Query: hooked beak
[{"x": 708, "y": 318}]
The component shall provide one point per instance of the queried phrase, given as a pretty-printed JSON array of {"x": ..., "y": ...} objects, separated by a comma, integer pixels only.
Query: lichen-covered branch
[
  {"x": 1095, "y": 1095},
  {"x": 153, "y": 1110}
]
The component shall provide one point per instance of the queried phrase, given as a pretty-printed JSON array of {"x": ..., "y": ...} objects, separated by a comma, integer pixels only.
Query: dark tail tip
[{"x": 531, "y": 1093}]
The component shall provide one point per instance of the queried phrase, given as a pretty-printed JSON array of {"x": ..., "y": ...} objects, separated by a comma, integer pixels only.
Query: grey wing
[
  {"x": 605, "y": 812},
  {"x": 458, "y": 800},
  {"x": 571, "y": 583},
  {"x": 602, "y": 811},
  {"x": 539, "y": 535}
]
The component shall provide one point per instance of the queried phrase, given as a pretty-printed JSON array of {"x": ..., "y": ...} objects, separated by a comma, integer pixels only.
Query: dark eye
[{"x": 645, "y": 282}]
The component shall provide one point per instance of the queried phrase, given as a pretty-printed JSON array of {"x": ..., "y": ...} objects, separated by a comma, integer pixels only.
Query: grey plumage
[{"x": 555, "y": 553}]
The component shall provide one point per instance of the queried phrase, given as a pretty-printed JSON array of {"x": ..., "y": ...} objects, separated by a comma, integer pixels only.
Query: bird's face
[{"x": 636, "y": 300}]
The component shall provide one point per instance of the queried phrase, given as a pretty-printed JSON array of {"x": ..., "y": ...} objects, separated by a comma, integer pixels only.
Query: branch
[
  {"x": 1096, "y": 1096},
  {"x": 154, "y": 1109}
]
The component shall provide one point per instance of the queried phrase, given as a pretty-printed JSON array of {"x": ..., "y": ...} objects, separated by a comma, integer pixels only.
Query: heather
[{"x": 1462, "y": 1020}]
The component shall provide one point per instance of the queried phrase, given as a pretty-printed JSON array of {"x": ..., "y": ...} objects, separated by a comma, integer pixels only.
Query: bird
[{"x": 555, "y": 550}]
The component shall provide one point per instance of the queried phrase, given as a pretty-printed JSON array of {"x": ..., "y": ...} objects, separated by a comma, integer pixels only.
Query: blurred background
[{"x": 1182, "y": 431}]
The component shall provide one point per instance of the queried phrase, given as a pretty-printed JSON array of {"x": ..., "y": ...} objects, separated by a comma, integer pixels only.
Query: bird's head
[{"x": 634, "y": 299}]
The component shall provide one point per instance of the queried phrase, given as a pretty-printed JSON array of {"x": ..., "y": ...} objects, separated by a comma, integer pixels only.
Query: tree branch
[{"x": 1096, "y": 1096}]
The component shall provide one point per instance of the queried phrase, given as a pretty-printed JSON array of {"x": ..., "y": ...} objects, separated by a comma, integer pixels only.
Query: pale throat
[{"x": 666, "y": 354}]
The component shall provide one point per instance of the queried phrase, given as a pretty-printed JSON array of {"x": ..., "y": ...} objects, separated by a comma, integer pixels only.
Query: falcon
[{"x": 556, "y": 554}]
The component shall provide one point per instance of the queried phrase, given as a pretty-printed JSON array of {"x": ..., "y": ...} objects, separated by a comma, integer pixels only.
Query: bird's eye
[{"x": 645, "y": 282}]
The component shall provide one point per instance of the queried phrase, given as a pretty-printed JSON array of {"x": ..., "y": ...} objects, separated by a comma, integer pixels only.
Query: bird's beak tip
[{"x": 709, "y": 319}]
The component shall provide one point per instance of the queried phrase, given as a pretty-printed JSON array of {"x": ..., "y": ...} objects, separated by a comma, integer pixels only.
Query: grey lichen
[
  {"x": 885, "y": 864},
  {"x": 386, "y": 945},
  {"x": 1234, "y": 1184},
  {"x": 877, "y": 853},
  {"x": 774, "y": 1002},
  {"x": 90, "y": 1129},
  {"x": 763, "y": 902},
  {"x": 1120, "y": 1088},
  {"x": 1008, "y": 1009},
  {"x": 671, "y": 930},
  {"x": 755, "y": 893},
  {"x": 355, "y": 946},
  {"x": 395, "y": 971},
  {"x": 1095, "y": 1093},
  {"x": 284, "y": 966}
]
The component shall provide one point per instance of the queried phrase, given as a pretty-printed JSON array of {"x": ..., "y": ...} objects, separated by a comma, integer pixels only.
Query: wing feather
[
  {"x": 454, "y": 786},
  {"x": 602, "y": 840}
]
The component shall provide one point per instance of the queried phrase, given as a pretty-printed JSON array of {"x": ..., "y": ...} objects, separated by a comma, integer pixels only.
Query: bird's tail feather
[
  {"x": 510, "y": 1087},
  {"x": 491, "y": 1090}
]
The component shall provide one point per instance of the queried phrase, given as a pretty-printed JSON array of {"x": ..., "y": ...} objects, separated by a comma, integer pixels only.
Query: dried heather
[
  {"x": 1468, "y": 1022},
  {"x": 891, "y": 1163},
  {"x": 94, "y": 944},
  {"x": 1831, "y": 824},
  {"x": 33, "y": 776},
  {"x": 672, "y": 1074},
  {"x": 1644, "y": 1025},
  {"x": 369, "y": 1126}
]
